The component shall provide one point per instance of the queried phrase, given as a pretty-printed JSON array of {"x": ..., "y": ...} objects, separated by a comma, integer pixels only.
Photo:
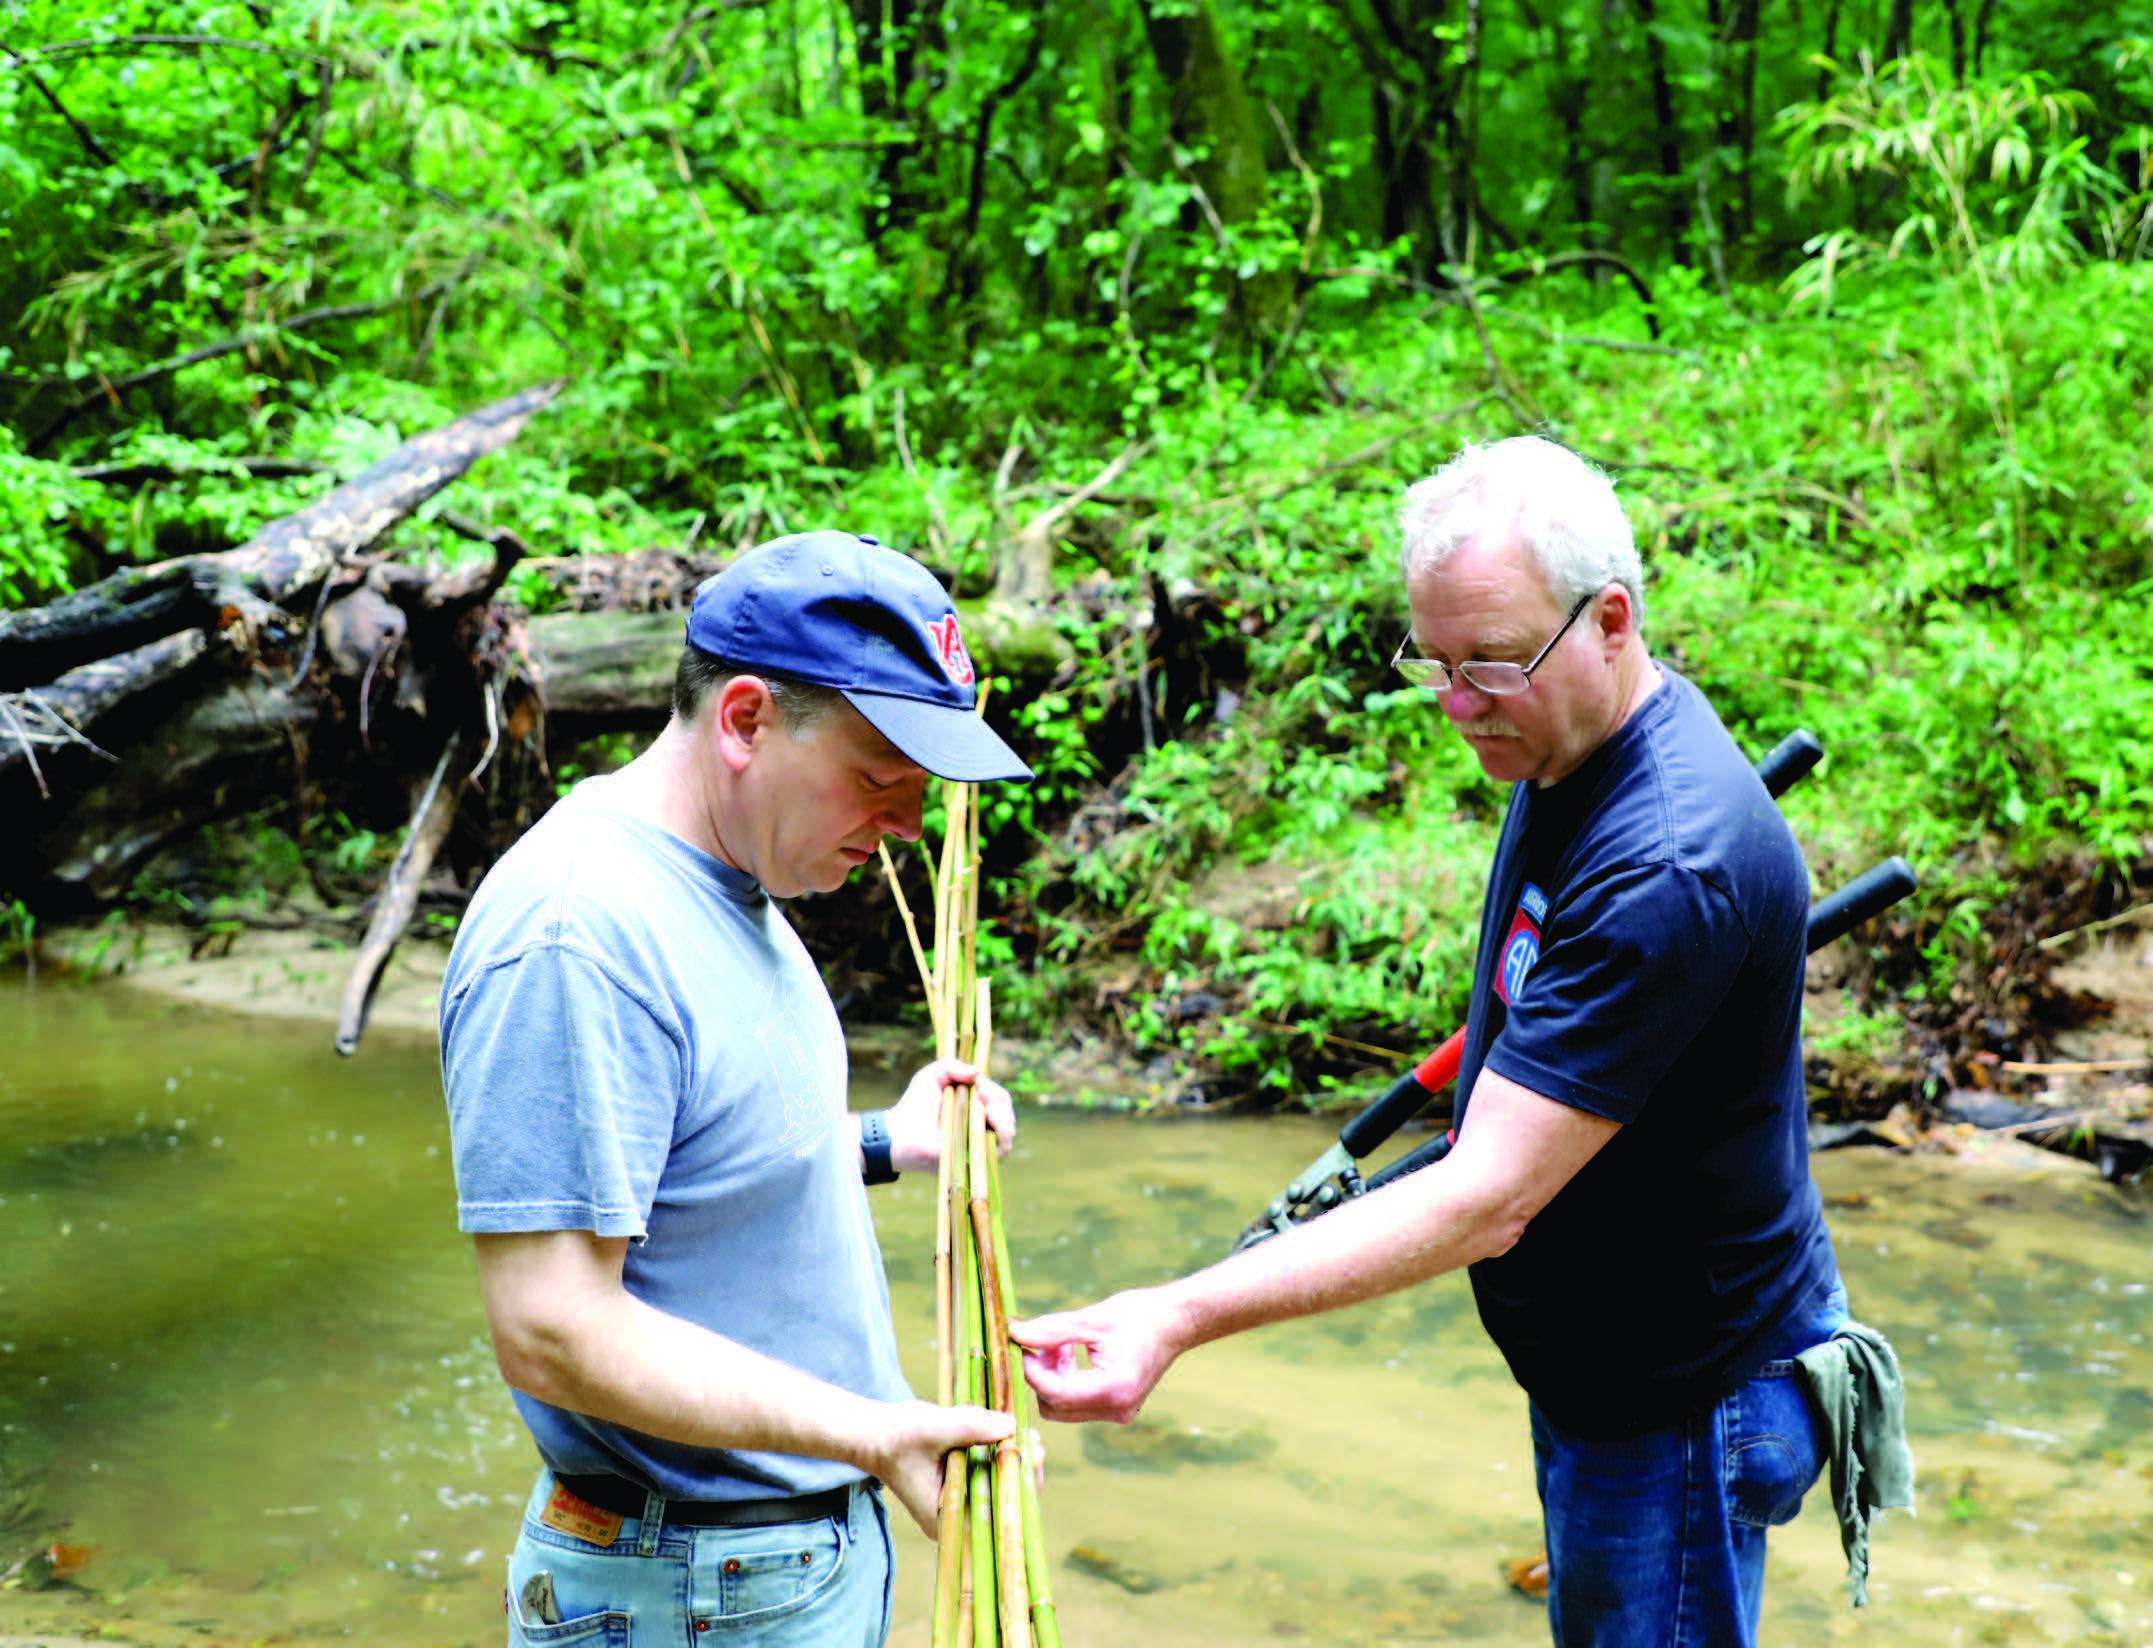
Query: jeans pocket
[
  {"x": 605, "y": 1629},
  {"x": 1773, "y": 1449},
  {"x": 546, "y": 1584},
  {"x": 763, "y": 1573}
]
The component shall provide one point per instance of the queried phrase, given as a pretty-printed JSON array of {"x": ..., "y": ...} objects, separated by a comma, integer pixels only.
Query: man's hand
[
  {"x": 915, "y": 1122},
  {"x": 921, "y": 1435},
  {"x": 1133, "y": 1339}
]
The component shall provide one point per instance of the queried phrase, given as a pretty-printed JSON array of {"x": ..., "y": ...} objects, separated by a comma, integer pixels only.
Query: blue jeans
[
  {"x": 819, "y": 1584},
  {"x": 1657, "y": 1541}
]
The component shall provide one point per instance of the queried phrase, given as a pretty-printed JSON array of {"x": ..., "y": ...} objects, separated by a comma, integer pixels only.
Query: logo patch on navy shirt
[{"x": 1521, "y": 947}]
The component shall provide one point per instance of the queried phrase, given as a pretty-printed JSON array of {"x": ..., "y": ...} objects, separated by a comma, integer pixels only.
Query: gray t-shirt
[{"x": 635, "y": 1043}]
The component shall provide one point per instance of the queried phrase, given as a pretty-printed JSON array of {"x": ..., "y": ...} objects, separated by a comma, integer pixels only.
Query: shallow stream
[{"x": 242, "y": 1358}]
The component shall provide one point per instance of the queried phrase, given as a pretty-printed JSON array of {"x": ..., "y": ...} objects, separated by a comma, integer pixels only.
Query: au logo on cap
[{"x": 949, "y": 650}]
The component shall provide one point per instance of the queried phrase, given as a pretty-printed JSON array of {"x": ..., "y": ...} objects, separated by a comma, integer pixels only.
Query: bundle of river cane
[{"x": 991, "y": 1584}]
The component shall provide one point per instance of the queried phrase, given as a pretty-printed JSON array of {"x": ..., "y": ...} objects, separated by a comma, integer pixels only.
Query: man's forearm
[
  {"x": 651, "y": 1372},
  {"x": 565, "y": 1332},
  {"x": 1407, "y": 1232},
  {"x": 1518, "y": 1152}
]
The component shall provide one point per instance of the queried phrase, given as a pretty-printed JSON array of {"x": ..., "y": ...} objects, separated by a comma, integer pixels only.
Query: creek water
[{"x": 242, "y": 1358}]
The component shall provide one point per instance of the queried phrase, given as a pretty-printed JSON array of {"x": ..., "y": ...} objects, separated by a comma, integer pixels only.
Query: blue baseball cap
[{"x": 834, "y": 610}]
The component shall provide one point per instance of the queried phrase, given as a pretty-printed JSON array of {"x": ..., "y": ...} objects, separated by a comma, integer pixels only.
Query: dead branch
[
  {"x": 109, "y": 390},
  {"x": 1025, "y": 569},
  {"x": 430, "y": 821},
  {"x": 56, "y": 714},
  {"x": 140, "y": 605},
  {"x": 136, "y": 474},
  {"x": 937, "y": 526}
]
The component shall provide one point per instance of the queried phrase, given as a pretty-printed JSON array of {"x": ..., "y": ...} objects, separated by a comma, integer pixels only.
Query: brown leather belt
[{"x": 624, "y": 1498}]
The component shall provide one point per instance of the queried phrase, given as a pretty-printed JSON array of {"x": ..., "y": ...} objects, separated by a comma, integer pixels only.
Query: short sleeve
[
  {"x": 1631, "y": 966},
  {"x": 562, "y": 1086}
]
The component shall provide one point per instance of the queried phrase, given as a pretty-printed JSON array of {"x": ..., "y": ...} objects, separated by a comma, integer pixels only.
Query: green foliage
[
  {"x": 1987, "y": 175},
  {"x": 18, "y": 930},
  {"x": 344, "y": 847},
  {"x": 246, "y": 868},
  {"x": 594, "y": 757},
  {"x": 1862, "y": 343},
  {"x": 37, "y": 500},
  {"x": 1863, "y": 1032},
  {"x": 1994, "y": 181}
]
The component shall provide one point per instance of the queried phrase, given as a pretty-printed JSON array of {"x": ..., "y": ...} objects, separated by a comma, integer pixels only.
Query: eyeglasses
[{"x": 1496, "y": 680}]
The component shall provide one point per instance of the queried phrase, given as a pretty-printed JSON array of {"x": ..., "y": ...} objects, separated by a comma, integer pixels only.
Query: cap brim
[{"x": 948, "y": 742}]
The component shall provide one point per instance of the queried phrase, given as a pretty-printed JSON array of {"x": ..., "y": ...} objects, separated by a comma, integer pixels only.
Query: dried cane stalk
[{"x": 912, "y": 933}]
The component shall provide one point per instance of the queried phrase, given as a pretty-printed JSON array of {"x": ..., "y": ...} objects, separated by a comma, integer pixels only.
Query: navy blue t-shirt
[{"x": 1641, "y": 956}]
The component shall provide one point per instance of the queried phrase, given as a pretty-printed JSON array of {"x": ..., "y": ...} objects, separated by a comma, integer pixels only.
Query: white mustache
[{"x": 1487, "y": 729}]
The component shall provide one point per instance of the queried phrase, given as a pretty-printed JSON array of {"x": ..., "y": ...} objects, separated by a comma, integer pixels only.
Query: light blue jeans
[
  {"x": 1657, "y": 1541},
  {"x": 819, "y": 1584}
]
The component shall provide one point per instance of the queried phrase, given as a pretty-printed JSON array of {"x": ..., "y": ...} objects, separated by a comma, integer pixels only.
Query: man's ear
[
  {"x": 742, "y": 713},
  {"x": 1616, "y": 616}
]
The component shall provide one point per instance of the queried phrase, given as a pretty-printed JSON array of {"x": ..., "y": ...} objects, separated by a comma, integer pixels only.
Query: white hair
[{"x": 1562, "y": 507}]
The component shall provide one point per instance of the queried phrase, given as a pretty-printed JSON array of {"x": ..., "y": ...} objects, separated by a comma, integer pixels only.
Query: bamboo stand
[{"x": 992, "y": 1588}]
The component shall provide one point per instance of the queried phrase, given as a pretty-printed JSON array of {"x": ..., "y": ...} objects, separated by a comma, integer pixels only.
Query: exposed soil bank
[{"x": 2070, "y": 1028}]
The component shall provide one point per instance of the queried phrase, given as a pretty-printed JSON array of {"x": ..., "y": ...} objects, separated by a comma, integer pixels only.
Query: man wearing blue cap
[{"x": 646, "y": 1089}]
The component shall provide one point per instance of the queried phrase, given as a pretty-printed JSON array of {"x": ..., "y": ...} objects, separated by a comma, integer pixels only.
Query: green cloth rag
[{"x": 1855, "y": 1378}]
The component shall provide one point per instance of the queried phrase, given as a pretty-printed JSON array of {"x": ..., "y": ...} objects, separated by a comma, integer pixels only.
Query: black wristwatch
[{"x": 875, "y": 1148}]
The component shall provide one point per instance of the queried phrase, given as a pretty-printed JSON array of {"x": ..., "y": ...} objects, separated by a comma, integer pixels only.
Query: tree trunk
[
  {"x": 1670, "y": 135},
  {"x": 1569, "y": 94},
  {"x": 1420, "y": 87},
  {"x": 1611, "y": 50},
  {"x": 1830, "y": 48},
  {"x": 1739, "y": 132},
  {"x": 887, "y": 46},
  {"x": 1898, "y": 30},
  {"x": 1209, "y": 112},
  {"x": 1208, "y": 106}
]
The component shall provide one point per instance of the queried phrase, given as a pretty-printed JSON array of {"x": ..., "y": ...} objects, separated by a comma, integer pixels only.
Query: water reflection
[{"x": 241, "y": 1354}]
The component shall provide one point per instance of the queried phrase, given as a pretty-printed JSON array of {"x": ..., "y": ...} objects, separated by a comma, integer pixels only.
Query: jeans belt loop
[{"x": 653, "y": 1524}]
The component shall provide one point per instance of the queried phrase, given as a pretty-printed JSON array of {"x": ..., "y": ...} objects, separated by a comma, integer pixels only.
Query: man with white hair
[{"x": 1629, "y": 1184}]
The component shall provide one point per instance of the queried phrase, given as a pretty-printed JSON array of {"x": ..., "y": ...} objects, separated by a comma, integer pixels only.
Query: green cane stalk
[
  {"x": 950, "y": 1509},
  {"x": 991, "y": 1571},
  {"x": 979, "y": 1629},
  {"x": 1046, "y": 1622}
]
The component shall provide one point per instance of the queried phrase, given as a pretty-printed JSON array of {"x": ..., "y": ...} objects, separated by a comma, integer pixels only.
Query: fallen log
[
  {"x": 2119, "y": 1149},
  {"x": 144, "y": 604},
  {"x": 298, "y": 677},
  {"x": 613, "y": 670},
  {"x": 186, "y": 770},
  {"x": 54, "y": 716}
]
